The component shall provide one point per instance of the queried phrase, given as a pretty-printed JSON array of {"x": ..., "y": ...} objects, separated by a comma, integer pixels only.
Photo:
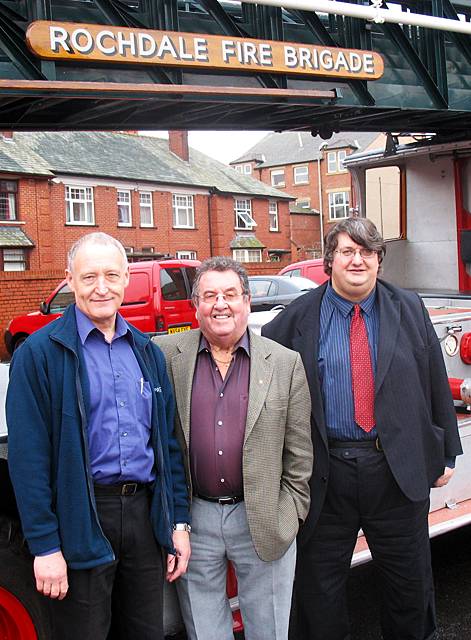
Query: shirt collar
[
  {"x": 243, "y": 343},
  {"x": 345, "y": 306},
  {"x": 85, "y": 326}
]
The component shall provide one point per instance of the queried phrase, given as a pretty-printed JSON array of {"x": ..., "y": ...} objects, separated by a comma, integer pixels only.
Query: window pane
[
  {"x": 173, "y": 284},
  {"x": 62, "y": 299},
  {"x": 7, "y": 206},
  {"x": 278, "y": 178},
  {"x": 301, "y": 174},
  {"x": 14, "y": 260}
]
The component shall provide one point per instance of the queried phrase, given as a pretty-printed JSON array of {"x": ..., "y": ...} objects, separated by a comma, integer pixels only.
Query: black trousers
[
  {"x": 131, "y": 586},
  {"x": 362, "y": 493}
]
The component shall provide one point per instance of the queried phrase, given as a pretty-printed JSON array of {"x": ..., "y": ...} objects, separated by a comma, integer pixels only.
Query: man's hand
[
  {"x": 445, "y": 478},
  {"x": 51, "y": 575},
  {"x": 177, "y": 565}
]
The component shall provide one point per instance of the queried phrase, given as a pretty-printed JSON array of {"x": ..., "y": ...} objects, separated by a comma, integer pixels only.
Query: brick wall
[{"x": 21, "y": 292}]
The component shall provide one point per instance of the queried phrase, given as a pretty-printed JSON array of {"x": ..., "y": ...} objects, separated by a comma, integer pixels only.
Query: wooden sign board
[{"x": 98, "y": 43}]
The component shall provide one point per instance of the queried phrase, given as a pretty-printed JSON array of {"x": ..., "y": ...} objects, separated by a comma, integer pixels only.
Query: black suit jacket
[{"x": 415, "y": 417}]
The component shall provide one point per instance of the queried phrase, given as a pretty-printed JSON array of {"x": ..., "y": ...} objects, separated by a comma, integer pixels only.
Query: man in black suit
[{"x": 384, "y": 431}]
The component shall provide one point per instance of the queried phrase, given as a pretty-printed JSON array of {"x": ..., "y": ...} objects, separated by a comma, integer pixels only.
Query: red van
[
  {"x": 312, "y": 269},
  {"x": 157, "y": 300}
]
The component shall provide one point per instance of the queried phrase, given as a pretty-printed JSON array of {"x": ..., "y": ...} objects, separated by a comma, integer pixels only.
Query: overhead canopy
[
  {"x": 425, "y": 86},
  {"x": 12, "y": 237}
]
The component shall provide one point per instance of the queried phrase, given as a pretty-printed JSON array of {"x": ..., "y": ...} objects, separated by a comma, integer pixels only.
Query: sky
[{"x": 221, "y": 145}]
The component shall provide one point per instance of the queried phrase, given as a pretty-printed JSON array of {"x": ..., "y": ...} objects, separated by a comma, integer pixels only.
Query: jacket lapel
[
  {"x": 261, "y": 371},
  {"x": 307, "y": 344},
  {"x": 183, "y": 368},
  {"x": 389, "y": 324}
]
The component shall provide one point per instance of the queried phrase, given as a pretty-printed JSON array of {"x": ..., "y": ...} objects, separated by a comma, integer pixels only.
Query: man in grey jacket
[{"x": 243, "y": 414}]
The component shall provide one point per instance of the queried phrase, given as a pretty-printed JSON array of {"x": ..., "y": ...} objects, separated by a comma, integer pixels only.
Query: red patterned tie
[{"x": 362, "y": 372}]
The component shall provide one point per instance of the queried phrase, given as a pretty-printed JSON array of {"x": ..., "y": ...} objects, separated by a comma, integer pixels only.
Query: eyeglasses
[
  {"x": 349, "y": 252},
  {"x": 210, "y": 297}
]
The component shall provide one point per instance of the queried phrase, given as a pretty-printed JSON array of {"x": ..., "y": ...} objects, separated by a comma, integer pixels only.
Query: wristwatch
[{"x": 182, "y": 526}]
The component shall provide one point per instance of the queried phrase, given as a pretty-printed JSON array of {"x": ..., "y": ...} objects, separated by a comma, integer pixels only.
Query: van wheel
[
  {"x": 24, "y": 613},
  {"x": 19, "y": 341}
]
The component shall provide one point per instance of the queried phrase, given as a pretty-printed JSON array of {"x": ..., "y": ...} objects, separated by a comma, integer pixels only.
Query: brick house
[
  {"x": 158, "y": 197},
  {"x": 305, "y": 167}
]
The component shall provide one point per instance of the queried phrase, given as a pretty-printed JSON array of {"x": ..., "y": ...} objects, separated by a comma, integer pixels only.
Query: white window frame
[
  {"x": 274, "y": 175},
  {"x": 335, "y": 161},
  {"x": 247, "y": 255},
  {"x": 243, "y": 214},
  {"x": 14, "y": 262},
  {"x": 146, "y": 207},
  {"x": 339, "y": 210},
  {"x": 183, "y": 206},
  {"x": 123, "y": 199},
  {"x": 186, "y": 255},
  {"x": 273, "y": 222},
  {"x": 305, "y": 178},
  {"x": 8, "y": 193},
  {"x": 247, "y": 169},
  {"x": 83, "y": 196},
  {"x": 303, "y": 203}
]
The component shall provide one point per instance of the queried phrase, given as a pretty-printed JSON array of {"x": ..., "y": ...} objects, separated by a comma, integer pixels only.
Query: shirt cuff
[{"x": 450, "y": 462}]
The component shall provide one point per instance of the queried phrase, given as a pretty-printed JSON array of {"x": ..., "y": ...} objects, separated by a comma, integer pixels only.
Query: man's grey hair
[
  {"x": 220, "y": 263},
  {"x": 99, "y": 238},
  {"x": 361, "y": 230}
]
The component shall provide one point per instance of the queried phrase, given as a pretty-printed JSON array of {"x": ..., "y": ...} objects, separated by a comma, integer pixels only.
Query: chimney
[
  {"x": 178, "y": 144},
  {"x": 7, "y": 136}
]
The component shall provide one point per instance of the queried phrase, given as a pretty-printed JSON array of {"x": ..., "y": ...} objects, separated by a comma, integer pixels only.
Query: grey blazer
[{"x": 277, "y": 454}]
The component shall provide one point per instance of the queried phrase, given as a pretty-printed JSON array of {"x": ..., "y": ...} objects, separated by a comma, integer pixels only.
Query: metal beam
[
  {"x": 315, "y": 26},
  {"x": 12, "y": 43}
]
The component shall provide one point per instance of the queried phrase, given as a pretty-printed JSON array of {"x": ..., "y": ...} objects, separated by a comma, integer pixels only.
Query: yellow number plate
[{"x": 179, "y": 329}]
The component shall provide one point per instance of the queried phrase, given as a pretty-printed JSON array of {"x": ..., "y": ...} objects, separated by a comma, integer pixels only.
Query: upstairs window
[
  {"x": 79, "y": 205},
  {"x": 8, "y": 190},
  {"x": 278, "y": 178},
  {"x": 145, "y": 209},
  {"x": 335, "y": 161},
  {"x": 273, "y": 215},
  {"x": 183, "y": 211},
  {"x": 301, "y": 175},
  {"x": 124, "y": 209},
  {"x": 243, "y": 214}
]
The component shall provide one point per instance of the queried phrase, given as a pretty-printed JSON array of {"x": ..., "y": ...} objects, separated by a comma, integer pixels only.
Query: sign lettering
[{"x": 72, "y": 41}]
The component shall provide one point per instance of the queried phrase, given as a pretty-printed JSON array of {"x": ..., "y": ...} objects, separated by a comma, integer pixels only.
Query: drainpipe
[{"x": 321, "y": 205}]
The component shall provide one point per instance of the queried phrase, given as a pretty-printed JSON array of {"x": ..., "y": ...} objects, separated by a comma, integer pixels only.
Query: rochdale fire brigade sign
[{"x": 73, "y": 41}]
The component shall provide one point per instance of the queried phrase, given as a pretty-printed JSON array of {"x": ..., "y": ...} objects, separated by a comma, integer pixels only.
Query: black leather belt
[
  {"x": 220, "y": 499},
  {"x": 124, "y": 489},
  {"x": 356, "y": 444}
]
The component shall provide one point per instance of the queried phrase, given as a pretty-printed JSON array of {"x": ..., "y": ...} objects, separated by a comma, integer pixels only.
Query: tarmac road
[{"x": 451, "y": 557}]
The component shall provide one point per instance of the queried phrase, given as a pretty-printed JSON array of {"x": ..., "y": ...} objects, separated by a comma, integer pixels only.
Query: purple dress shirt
[
  {"x": 218, "y": 418},
  {"x": 120, "y": 406}
]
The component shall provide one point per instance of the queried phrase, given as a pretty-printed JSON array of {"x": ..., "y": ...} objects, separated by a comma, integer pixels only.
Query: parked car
[
  {"x": 270, "y": 291},
  {"x": 312, "y": 269},
  {"x": 157, "y": 300}
]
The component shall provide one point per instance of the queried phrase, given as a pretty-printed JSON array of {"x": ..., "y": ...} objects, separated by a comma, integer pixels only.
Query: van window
[
  {"x": 138, "y": 289},
  {"x": 191, "y": 275},
  {"x": 61, "y": 300},
  {"x": 172, "y": 283},
  {"x": 293, "y": 272}
]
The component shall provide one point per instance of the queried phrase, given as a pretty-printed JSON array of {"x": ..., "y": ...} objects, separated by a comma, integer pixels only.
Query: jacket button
[{"x": 324, "y": 478}]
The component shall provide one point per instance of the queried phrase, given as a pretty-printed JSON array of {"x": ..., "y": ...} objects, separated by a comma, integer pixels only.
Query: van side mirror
[{"x": 44, "y": 308}]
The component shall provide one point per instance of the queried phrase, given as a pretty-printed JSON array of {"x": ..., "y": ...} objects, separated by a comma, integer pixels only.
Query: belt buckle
[
  {"x": 378, "y": 444},
  {"x": 129, "y": 489},
  {"x": 226, "y": 501}
]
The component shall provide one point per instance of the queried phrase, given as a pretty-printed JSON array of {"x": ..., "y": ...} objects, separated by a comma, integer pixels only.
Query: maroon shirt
[{"x": 218, "y": 417}]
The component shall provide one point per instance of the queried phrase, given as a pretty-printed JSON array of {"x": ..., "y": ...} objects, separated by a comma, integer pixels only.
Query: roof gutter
[{"x": 372, "y": 12}]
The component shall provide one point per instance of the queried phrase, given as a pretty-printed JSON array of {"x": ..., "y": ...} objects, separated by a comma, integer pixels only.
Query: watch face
[{"x": 451, "y": 345}]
